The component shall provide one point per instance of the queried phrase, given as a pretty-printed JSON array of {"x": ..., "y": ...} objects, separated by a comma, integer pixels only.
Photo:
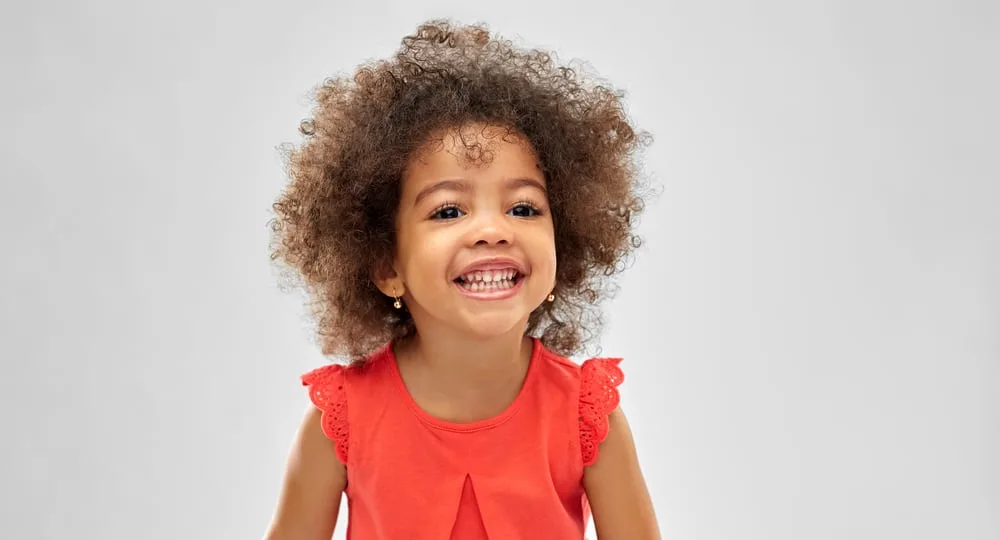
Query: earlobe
[{"x": 391, "y": 287}]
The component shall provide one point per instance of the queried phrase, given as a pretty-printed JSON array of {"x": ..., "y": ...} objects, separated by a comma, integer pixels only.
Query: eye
[
  {"x": 447, "y": 211},
  {"x": 524, "y": 210}
]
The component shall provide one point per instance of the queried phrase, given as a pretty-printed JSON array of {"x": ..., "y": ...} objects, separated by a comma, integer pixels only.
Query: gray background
[{"x": 810, "y": 330}]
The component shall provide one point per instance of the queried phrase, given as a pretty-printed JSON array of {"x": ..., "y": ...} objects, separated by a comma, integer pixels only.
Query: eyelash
[
  {"x": 442, "y": 208},
  {"x": 536, "y": 211}
]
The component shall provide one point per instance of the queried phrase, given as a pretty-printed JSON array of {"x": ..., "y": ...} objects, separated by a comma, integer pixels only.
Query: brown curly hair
[{"x": 335, "y": 222}]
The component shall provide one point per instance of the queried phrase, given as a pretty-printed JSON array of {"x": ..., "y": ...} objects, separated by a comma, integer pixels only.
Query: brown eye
[
  {"x": 524, "y": 210},
  {"x": 447, "y": 212}
]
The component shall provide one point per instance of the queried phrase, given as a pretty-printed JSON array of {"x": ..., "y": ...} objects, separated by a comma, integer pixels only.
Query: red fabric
[{"x": 516, "y": 475}]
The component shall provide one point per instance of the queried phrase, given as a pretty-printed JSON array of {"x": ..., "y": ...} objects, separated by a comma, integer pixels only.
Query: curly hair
[{"x": 335, "y": 221}]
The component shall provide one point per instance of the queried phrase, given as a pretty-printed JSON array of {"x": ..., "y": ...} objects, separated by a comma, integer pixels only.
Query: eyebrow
[
  {"x": 463, "y": 186},
  {"x": 515, "y": 183},
  {"x": 443, "y": 185}
]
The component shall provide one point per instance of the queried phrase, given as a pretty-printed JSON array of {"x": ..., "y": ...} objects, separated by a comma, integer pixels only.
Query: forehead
[{"x": 473, "y": 151}]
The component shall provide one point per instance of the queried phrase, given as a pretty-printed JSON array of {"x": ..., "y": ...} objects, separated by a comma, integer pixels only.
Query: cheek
[
  {"x": 553, "y": 263},
  {"x": 546, "y": 250},
  {"x": 424, "y": 256}
]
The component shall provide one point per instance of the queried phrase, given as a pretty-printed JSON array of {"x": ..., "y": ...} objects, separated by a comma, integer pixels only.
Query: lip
[
  {"x": 499, "y": 294},
  {"x": 493, "y": 263}
]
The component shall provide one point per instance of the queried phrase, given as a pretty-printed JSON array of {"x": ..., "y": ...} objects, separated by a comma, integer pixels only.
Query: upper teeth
[{"x": 490, "y": 276}]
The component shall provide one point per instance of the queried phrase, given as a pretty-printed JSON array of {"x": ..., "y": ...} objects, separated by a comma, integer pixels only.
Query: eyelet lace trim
[
  {"x": 327, "y": 392},
  {"x": 599, "y": 381}
]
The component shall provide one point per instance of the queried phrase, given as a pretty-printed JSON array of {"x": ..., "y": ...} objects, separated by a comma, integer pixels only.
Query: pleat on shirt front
[{"x": 517, "y": 475}]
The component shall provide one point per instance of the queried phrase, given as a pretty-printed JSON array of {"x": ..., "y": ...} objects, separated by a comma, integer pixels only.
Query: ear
[{"x": 388, "y": 280}]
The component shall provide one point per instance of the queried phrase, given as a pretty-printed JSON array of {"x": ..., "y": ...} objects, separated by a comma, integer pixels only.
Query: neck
[{"x": 466, "y": 361}]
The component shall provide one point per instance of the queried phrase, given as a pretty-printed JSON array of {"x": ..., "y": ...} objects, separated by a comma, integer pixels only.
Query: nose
[{"x": 491, "y": 229}]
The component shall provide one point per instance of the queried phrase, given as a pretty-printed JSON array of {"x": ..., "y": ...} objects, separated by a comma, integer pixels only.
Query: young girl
[{"x": 453, "y": 211}]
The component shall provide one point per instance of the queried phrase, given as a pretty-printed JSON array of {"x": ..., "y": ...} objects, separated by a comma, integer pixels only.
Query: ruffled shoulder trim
[
  {"x": 599, "y": 381},
  {"x": 328, "y": 392}
]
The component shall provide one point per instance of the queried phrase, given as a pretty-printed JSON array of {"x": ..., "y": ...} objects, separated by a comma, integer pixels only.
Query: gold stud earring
[{"x": 551, "y": 298}]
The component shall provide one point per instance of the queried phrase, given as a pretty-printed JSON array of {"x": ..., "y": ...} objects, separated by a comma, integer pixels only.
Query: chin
[{"x": 486, "y": 327}]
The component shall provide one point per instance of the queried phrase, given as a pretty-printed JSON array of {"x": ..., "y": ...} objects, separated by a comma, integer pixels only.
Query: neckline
[{"x": 478, "y": 425}]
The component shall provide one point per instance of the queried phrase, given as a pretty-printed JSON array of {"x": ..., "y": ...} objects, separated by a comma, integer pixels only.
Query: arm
[
  {"x": 616, "y": 489},
  {"x": 314, "y": 481}
]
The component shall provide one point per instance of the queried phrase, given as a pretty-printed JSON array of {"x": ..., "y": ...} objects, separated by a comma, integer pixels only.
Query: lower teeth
[{"x": 477, "y": 286}]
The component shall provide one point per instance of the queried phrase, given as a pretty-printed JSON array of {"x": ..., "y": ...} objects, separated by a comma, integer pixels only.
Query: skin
[
  {"x": 497, "y": 209},
  {"x": 454, "y": 212}
]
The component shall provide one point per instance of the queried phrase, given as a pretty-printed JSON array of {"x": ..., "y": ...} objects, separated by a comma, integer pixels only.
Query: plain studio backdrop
[{"x": 810, "y": 330}]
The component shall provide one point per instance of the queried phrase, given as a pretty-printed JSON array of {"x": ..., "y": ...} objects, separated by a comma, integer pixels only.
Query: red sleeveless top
[{"x": 516, "y": 475}]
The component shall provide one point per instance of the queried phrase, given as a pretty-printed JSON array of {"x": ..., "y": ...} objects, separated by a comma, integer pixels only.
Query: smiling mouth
[{"x": 489, "y": 280}]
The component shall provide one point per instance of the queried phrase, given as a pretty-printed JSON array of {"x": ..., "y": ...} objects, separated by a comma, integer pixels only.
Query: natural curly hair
[{"x": 335, "y": 222}]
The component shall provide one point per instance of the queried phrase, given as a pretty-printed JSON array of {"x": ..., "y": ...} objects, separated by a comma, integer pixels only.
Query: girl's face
[{"x": 475, "y": 245}]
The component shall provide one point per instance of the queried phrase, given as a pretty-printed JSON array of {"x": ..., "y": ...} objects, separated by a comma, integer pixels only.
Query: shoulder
[
  {"x": 558, "y": 369},
  {"x": 587, "y": 369},
  {"x": 598, "y": 371},
  {"x": 338, "y": 381},
  {"x": 339, "y": 375},
  {"x": 598, "y": 403},
  {"x": 334, "y": 390},
  {"x": 593, "y": 385},
  {"x": 578, "y": 369}
]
